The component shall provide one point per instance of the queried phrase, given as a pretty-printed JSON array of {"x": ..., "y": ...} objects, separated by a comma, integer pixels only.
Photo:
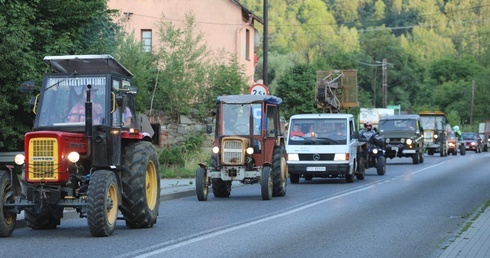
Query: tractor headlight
[
  {"x": 19, "y": 159},
  {"x": 73, "y": 157},
  {"x": 250, "y": 150},
  {"x": 215, "y": 149}
]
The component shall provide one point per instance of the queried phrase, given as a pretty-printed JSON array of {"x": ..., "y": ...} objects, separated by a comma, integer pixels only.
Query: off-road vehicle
[
  {"x": 248, "y": 147},
  {"x": 403, "y": 136},
  {"x": 96, "y": 165}
]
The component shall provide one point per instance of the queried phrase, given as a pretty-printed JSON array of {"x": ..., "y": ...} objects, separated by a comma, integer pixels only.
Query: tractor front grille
[
  {"x": 234, "y": 151},
  {"x": 43, "y": 159}
]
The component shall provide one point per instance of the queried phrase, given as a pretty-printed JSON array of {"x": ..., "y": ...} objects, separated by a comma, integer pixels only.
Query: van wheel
[{"x": 294, "y": 178}]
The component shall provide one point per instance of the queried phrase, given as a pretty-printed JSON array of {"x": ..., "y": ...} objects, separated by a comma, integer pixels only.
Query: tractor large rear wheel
[
  {"x": 141, "y": 185},
  {"x": 7, "y": 219},
  {"x": 102, "y": 203}
]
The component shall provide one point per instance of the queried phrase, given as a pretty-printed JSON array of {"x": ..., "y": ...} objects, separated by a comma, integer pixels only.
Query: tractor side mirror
[{"x": 27, "y": 86}]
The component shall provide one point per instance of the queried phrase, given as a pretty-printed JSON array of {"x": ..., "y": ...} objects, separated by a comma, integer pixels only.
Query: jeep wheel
[
  {"x": 141, "y": 185},
  {"x": 202, "y": 184},
  {"x": 7, "y": 219},
  {"x": 415, "y": 158},
  {"x": 381, "y": 165},
  {"x": 279, "y": 173},
  {"x": 266, "y": 184},
  {"x": 221, "y": 188},
  {"x": 294, "y": 178},
  {"x": 349, "y": 178},
  {"x": 421, "y": 156},
  {"x": 102, "y": 203}
]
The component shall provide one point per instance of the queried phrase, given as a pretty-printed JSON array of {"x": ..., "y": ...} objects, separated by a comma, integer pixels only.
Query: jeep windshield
[
  {"x": 62, "y": 101},
  {"x": 398, "y": 125},
  {"x": 317, "y": 132}
]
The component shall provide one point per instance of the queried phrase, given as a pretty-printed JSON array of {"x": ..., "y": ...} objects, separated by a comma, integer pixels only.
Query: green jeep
[{"x": 403, "y": 137}]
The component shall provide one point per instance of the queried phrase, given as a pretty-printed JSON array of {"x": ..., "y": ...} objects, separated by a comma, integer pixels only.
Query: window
[
  {"x": 246, "y": 45},
  {"x": 146, "y": 40}
]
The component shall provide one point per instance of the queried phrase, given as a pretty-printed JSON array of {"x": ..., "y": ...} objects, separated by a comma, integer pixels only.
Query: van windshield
[{"x": 317, "y": 132}]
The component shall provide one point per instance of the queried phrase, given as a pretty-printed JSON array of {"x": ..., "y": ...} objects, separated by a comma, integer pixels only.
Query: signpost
[
  {"x": 395, "y": 107},
  {"x": 258, "y": 89}
]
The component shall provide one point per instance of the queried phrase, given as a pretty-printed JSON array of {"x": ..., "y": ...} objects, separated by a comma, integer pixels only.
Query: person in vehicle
[
  {"x": 311, "y": 132},
  {"x": 368, "y": 130},
  {"x": 77, "y": 112},
  {"x": 297, "y": 131}
]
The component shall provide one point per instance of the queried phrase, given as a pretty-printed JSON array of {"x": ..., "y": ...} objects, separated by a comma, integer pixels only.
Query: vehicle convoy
[
  {"x": 435, "y": 132},
  {"x": 96, "y": 165},
  {"x": 326, "y": 147},
  {"x": 248, "y": 147},
  {"x": 403, "y": 136}
]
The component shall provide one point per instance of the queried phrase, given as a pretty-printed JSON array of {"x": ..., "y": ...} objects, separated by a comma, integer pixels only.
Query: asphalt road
[{"x": 409, "y": 212}]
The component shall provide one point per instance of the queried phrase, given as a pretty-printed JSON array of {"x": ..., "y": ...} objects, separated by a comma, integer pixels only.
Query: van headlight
[{"x": 293, "y": 157}]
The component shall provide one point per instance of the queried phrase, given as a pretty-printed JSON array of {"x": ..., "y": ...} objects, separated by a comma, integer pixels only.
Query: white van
[{"x": 323, "y": 145}]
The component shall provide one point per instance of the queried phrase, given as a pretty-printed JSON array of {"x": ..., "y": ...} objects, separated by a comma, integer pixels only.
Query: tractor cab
[{"x": 96, "y": 82}]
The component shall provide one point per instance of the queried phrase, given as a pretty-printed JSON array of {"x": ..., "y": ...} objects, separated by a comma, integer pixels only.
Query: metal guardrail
[{"x": 8, "y": 157}]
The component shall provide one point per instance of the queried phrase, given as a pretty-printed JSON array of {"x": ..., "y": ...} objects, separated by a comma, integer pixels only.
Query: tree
[
  {"x": 32, "y": 29},
  {"x": 297, "y": 90}
]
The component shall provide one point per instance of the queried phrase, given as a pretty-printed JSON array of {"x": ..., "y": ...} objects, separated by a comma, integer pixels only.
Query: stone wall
[{"x": 172, "y": 133}]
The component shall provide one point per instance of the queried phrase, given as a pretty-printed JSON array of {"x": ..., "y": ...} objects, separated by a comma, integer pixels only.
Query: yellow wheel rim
[
  {"x": 112, "y": 204},
  {"x": 151, "y": 185}
]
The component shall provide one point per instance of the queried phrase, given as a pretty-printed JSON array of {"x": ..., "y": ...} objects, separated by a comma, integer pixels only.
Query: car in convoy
[
  {"x": 403, "y": 136},
  {"x": 325, "y": 146},
  {"x": 472, "y": 141}
]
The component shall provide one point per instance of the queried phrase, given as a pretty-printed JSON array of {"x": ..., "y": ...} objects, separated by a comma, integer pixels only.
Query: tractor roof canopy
[
  {"x": 85, "y": 64},
  {"x": 269, "y": 99}
]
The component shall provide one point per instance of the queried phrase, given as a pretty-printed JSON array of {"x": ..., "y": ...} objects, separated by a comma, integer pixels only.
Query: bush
[{"x": 172, "y": 157}]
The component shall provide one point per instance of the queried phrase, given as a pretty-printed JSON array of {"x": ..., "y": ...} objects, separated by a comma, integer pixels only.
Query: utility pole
[
  {"x": 265, "y": 69},
  {"x": 472, "y": 100},
  {"x": 384, "y": 86}
]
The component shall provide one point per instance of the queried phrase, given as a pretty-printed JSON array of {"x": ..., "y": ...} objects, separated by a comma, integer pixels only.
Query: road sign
[
  {"x": 259, "y": 89},
  {"x": 393, "y": 107}
]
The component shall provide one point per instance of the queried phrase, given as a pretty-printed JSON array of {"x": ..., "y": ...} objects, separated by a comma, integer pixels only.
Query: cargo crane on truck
[{"x": 336, "y": 90}]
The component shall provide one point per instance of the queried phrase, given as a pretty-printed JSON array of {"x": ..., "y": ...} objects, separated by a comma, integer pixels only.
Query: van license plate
[{"x": 315, "y": 169}]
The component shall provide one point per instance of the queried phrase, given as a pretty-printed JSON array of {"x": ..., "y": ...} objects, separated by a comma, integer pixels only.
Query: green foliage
[
  {"x": 171, "y": 157},
  {"x": 297, "y": 90},
  {"x": 174, "y": 156},
  {"x": 224, "y": 76},
  {"x": 30, "y": 30},
  {"x": 182, "y": 58},
  {"x": 142, "y": 65}
]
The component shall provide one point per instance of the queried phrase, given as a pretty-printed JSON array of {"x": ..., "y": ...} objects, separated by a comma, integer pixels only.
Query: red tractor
[
  {"x": 90, "y": 155},
  {"x": 248, "y": 147}
]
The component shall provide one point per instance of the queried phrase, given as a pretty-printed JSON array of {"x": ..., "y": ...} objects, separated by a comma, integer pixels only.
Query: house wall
[{"x": 220, "y": 21}]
